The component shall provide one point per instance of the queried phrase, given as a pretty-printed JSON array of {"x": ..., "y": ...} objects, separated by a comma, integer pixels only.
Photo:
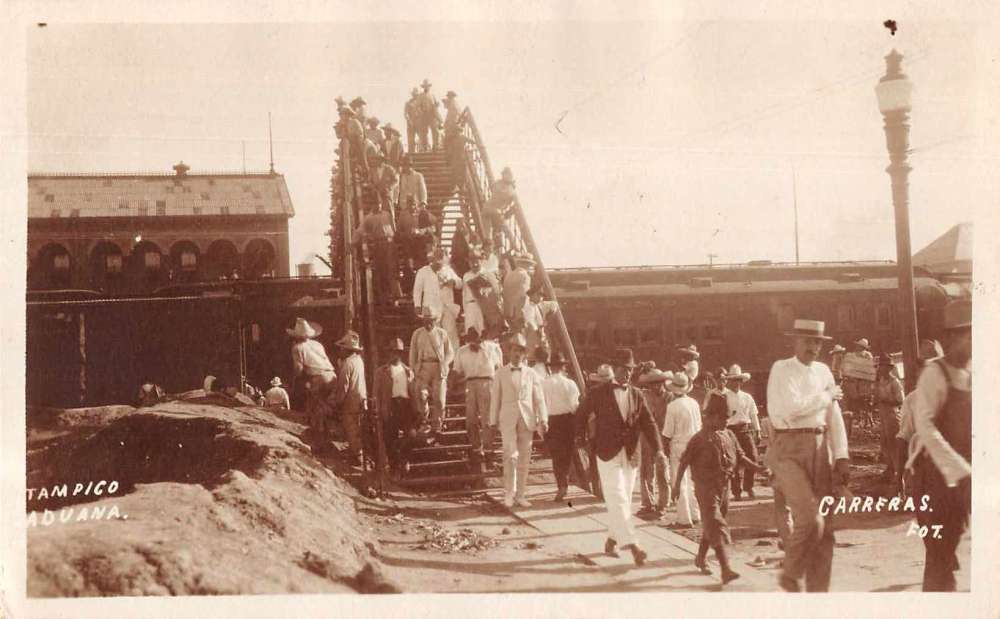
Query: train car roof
[{"x": 570, "y": 292}]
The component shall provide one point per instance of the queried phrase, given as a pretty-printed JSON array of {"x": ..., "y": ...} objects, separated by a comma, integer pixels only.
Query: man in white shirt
[
  {"x": 808, "y": 428},
  {"x": 517, "y": 406},
  {"x": 411, "y": 184},
  {"x": 394, "y": 393},
  {"x": 433, "y": 288},
  {"x": 683, "y": 421},
  {"x": 276, "y": 396},
  {"x": 479, "y": 276},
  {"x": 477, "y": 365},
  {"x": 941, "y": 456},
  {"x": 309, "y": 361},
  {"x": 562, "y": 397},
  {"x": 744, "y": 424},
  {"x": 534, "y": 314}
]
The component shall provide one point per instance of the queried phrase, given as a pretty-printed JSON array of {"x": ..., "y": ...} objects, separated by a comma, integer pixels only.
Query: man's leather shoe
[
  {"x": 638, "y": 554},
  {"x": 609, "y": 547},
  {"x": 788, "y": 584},
  {"x": 702, "y": 565},
  {"x": 560, "y": 495},
  {"x": 729, "y": 576}
]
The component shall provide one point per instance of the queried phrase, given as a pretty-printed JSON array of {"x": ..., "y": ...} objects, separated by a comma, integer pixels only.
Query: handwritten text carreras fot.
[{"x": 61, "y": 493}]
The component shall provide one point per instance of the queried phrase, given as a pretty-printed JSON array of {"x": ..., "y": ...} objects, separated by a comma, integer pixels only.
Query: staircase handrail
[{"x": 516, "y": 235}]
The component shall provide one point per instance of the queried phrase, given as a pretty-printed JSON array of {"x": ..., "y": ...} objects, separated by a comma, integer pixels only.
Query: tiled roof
[{"x": 138, "y": 195}]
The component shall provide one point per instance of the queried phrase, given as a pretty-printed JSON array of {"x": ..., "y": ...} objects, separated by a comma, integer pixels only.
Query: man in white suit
[
  {"x": 517, "y": 405},
  {"x": 433, "y": 287}
]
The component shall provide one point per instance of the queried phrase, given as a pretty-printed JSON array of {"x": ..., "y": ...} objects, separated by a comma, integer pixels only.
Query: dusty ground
[{"x": 218, "y": 498}]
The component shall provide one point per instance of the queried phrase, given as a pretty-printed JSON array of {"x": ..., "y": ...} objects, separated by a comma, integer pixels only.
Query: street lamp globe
[{"x": 894, "y": 90}]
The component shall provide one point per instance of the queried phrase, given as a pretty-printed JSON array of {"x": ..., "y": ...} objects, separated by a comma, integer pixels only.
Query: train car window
[
  {"x": 846, "y": 317},
  {"x": 883, "y": 316},
  {"x": 786, "y": 316},
  {"x": 625, "y": 336},
  {"x": 649, "y": 335},
  {"x": 711, "y": 331}
]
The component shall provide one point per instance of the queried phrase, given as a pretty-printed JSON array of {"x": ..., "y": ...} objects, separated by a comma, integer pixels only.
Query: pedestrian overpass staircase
[{"x": 457, "y": 190}]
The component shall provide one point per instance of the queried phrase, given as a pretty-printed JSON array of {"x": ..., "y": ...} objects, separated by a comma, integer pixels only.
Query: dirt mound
[{"x": 209, "y": 500}]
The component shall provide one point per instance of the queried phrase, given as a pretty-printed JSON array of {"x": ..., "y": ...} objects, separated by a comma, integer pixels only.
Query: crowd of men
[{"x": 689, "y": 444}]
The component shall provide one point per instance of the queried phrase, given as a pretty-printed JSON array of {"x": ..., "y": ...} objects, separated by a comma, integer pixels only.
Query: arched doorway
[
  {"x": 221, "y": 260},
  {"x": 259, "y": 259},
  {"x": 185, "y": 262},
  {"x": 52, "y": 269},
  {"x": 107, "y": 266},
  {"x": 147, "y": 266}
]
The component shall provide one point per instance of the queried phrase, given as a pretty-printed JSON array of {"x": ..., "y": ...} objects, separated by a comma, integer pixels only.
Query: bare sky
[{"x": 678, "y": 139}]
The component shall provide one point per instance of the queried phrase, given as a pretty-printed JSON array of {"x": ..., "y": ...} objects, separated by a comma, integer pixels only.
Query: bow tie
[{"x": 617, "y": 386}]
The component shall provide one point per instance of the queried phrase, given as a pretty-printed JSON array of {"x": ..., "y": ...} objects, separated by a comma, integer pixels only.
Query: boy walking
[{"x": 713, "y": 455}]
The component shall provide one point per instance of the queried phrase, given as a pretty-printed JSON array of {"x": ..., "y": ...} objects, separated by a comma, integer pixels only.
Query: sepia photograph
[{"x": 499, "y": 305}]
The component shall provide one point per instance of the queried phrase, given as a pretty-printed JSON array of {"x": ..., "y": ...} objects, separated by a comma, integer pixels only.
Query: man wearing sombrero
[
  {"x": 276, "y": 396},
  {"x": 744, "y": 423},
  {"x": 809, "y": 453},
  {"x": 309, "y": 361},
  {"x": 393, "y": 147},
  {"x": 619, "y": 417},
  {"x": 411, "y": 112},
  {"x": 654, "y": 480},
  {"x": 683, "y": 420},
  {"x": 351, "y": 391},
  {"x": 355, "y": 133},
  {"x": 431, "y": 355},
  {"x": 517, "y": 408},
  {"x": 430, "y": 116},
  {"x": 433, "y": 289}
]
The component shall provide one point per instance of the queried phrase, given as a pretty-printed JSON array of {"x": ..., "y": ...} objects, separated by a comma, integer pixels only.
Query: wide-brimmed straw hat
[
  {"x": 837, "y": 349},
  {"x": 863, "y": 343},
  {"x": 358, "y": 101},
  {"x": 388, "y": 128},
  {"x": 395, "y": 345},
  {"x": 655, "y": 376},
  {"x": 735, "y": 372},
  {"x": 428, "y": 313},
  {"x": 518, "y": 340},
  {"x": 414, "y": 92},
  {"x": 689, "y": 352},
  {"x": 604, "y": 374},
  {"x": 958, "y": 314},
  {"x": 679, "y": 383},
  {"x": 450, "y": 94},
  {"x": 350, "y": 341},
  {"x": 808, "y": 328},
  {"x": 305, "y": 328},
  {"x": 426, "y": 83},
  {"x": 276, "y": 381}
]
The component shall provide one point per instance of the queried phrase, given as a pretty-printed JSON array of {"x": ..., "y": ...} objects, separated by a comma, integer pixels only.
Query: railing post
[
  {"x": 565, "y": 340},
  {"x": 347, "y": 249}
]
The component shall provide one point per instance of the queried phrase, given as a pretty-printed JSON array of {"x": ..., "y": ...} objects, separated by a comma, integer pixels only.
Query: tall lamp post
[{"x": 893, "y": 92}]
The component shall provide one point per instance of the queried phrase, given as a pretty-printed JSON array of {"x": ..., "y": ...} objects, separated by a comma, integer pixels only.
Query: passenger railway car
[{"x": 736, "y": 313}]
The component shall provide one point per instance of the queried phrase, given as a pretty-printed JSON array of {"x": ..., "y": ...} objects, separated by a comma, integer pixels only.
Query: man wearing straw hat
[
  {"x": 517, "y": 407},
  {"x": 802, "y": 399},
  {"x": 394, "y": 392},
  {"x": 393, "y": 147},
  {"x": 309, "y": 360},
  {"x": 619, "y": 417},
  {"x": 431, "y": 355},
  {"x": 411, "y": 112},
  {"x": 477, "y": 365},
  {"x": 654, "y": 480},
  {"x": 433, "y": 288},
  {"x": 351, "y": 391},
  {"x": 430, "y": 116},
  {"x": 276, "y": 396},
  {"x": 682, "y": 421},
  {"x": 941, "y": 452},
  {"x": 562, "y": 397},
  {"x": 745, "y": 425}
]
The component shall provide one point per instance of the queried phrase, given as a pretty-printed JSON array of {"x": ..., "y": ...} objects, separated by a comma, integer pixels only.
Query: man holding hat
[
  {"x": 431, "y": 355},
  {"x": 276, "y": 396},
  {"x": 619, "y": 416},
  {"x": 562, "y": 398},
  {"x": 309, "y": 360},
  {"x": 744, "y": 423},
  {"x": 654, "y": 480},
  {"x": 477, "y": 365},
  {"x": 411, "y": 112},
  {"x": 682, "y": 421},
  {"x": 351, "y": 392},
  {"x": 517, "y": 406},
  {"x": 941, "y": 452},
  {"x": 433, "y": 288},
  {"x": 808, "y": 429},
  {"x": 395, "y": 391}
]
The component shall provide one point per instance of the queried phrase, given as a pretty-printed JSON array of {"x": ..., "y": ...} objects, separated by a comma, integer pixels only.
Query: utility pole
[
  {"x": 795, "y": 210},
  {"x": 244, "y": 143},
  {"x": 711, "y": 257},
  {"x": 270, "y": 141}
]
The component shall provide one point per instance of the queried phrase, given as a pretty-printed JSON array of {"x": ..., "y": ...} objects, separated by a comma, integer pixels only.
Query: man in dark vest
[
  {"x": 941, "y": 451},
  {"x": 620, "y": 415}
]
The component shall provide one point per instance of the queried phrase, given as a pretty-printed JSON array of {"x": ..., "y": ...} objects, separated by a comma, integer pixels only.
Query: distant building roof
[
  {"x": 949, "y": 253},
  {"x": 152, "y": 194}
]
